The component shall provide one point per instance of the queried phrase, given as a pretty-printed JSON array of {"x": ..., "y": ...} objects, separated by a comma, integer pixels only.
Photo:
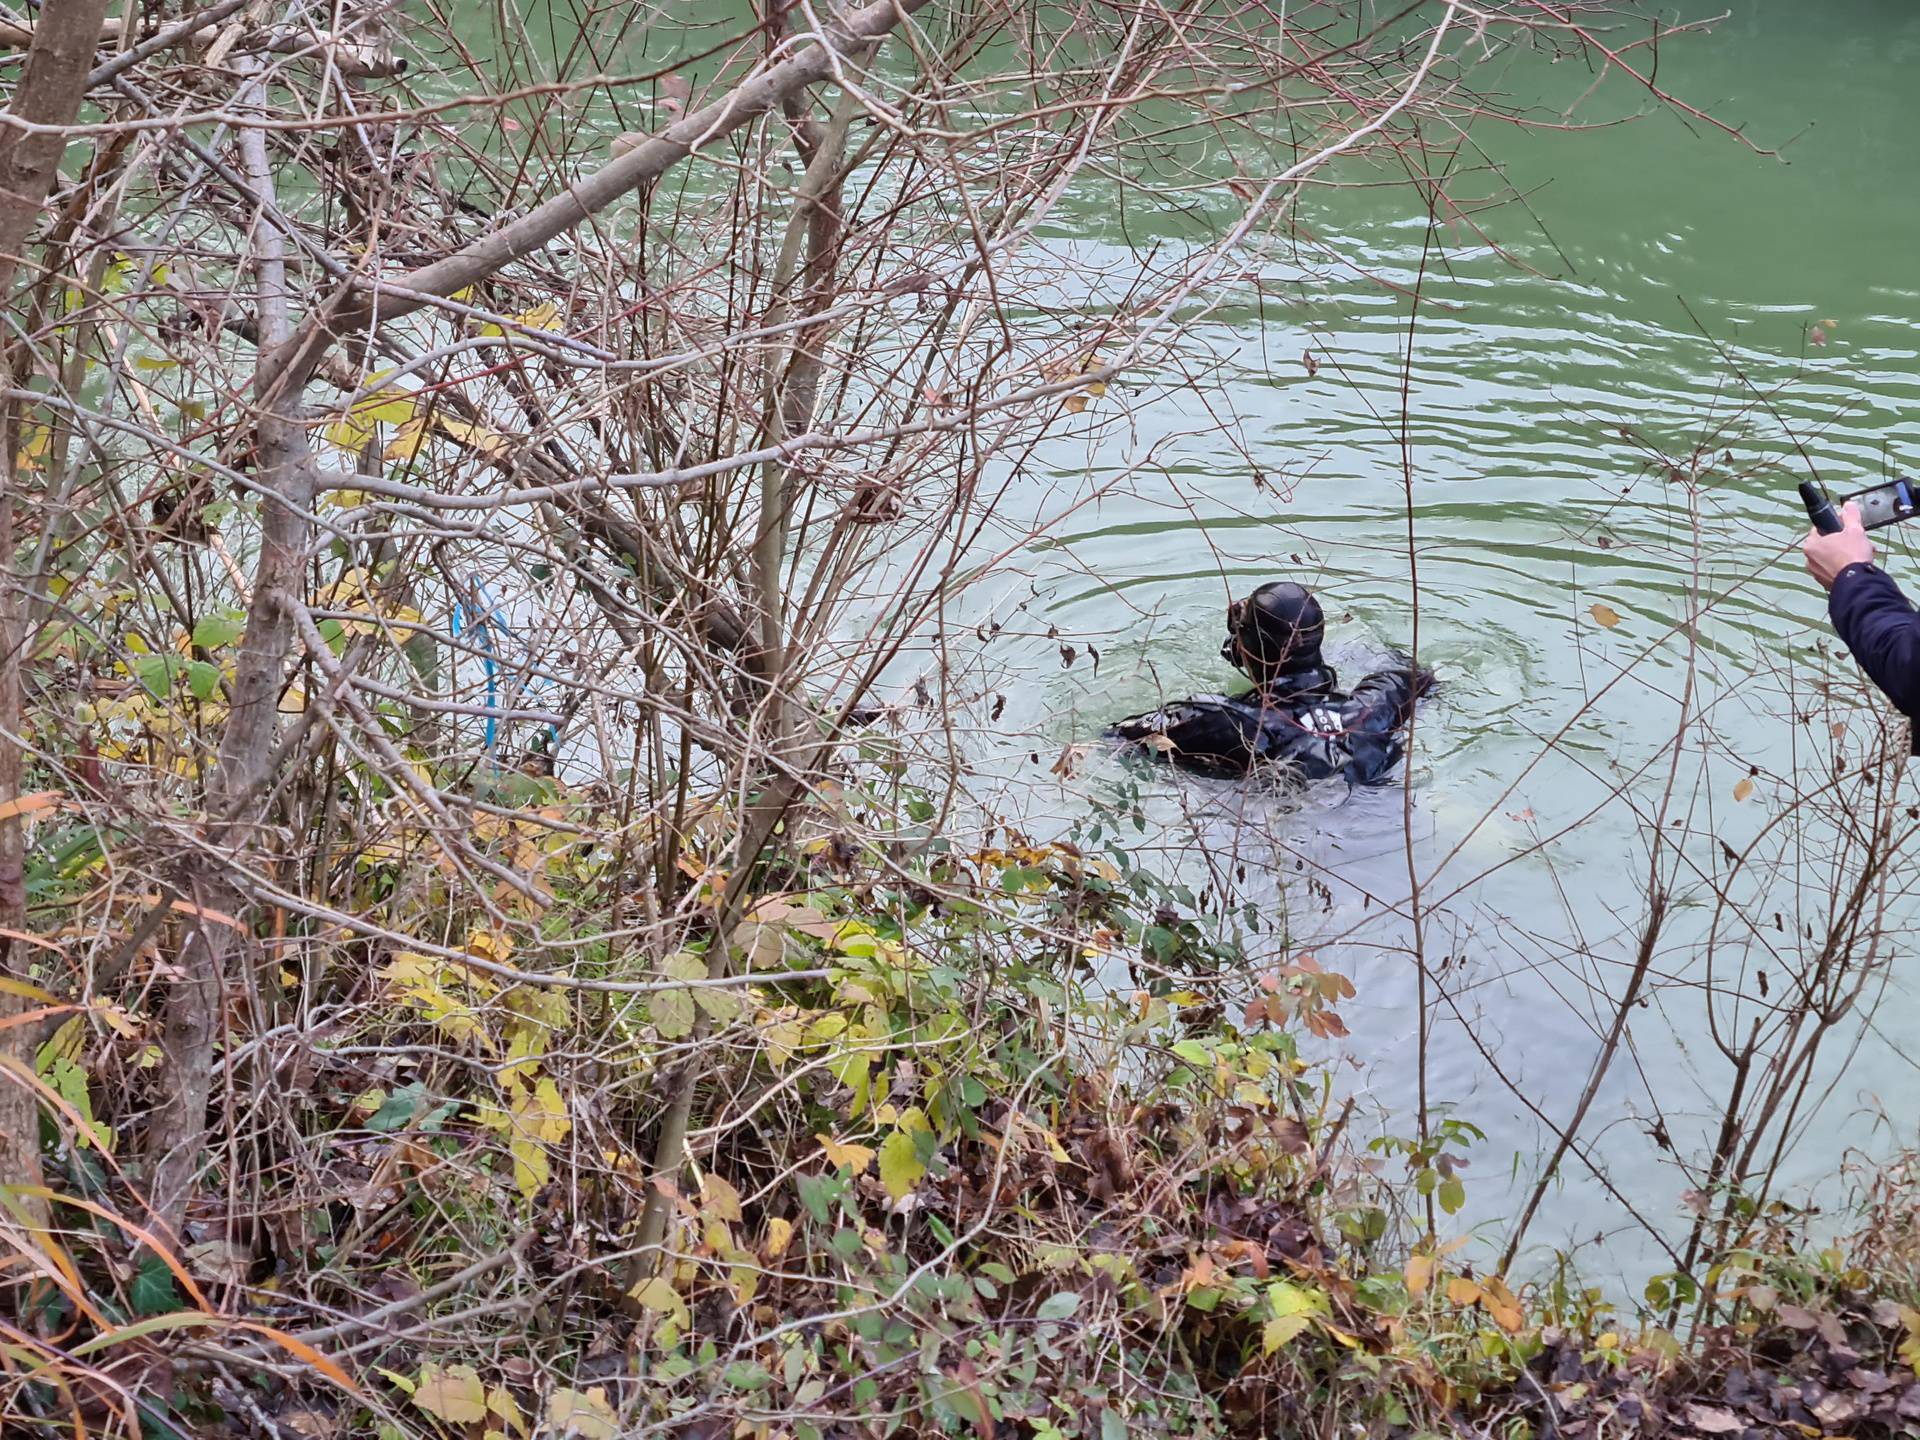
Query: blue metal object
[{"x": 485, "y": 622}]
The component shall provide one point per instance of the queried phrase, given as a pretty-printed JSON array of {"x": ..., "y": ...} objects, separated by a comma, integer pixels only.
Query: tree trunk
[
  {"x": 52, "y": 83},
  {"x": 242, "y": 776}
]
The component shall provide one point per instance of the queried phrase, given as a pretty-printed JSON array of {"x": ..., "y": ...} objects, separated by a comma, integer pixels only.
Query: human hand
[{"x": 1828, "y": 555}]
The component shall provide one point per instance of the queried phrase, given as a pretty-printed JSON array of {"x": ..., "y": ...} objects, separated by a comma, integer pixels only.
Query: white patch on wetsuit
[{"x": 1321, "y": 721}]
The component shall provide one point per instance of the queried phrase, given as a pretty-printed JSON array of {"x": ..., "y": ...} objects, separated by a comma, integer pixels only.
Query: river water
[
  {"x": 1557, "y": 396},
  {"x": 1584, "y": 428}
]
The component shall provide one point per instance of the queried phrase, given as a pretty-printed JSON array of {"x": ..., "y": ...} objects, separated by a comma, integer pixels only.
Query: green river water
[
  {"x": 1651, "y": 260},
  {"x": 1529, "y": 506}
]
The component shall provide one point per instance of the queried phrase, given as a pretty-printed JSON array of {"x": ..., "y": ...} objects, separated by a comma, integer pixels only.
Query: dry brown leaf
[
  {"x": 1714, "y": 1420},
  {"x": 1744, "y": 789},
  {"x": 28, "y": 804},
  {"x": 1502, "y": 1305},
  {"x": 1419, "y": 1274},
  {"x": 1605, "y": 616}
]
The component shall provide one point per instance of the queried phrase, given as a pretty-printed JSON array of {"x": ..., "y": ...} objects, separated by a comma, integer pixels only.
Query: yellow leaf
[
  {"x": 503, "y": 1406},
  {"x": 779, "y": 1236},
  {"x": 1419, "y": 1274},
  {"x": 406, "y": 444},
  {"x": 1281, "y": 1329},
  {"x": 659, "y": 1296},
  {"x": 454, "y": 1394},
  {"x": 1074, "y": 404},
  {"x": 1744, "y": 789},
  {"x": 582, "y": 1415},
  {"x": 489, "y": 945},
  {"x": 1604, "y": 615},
  {"x": 490, "y": 443},
  {"x": 544, "y": 316},
  {"x": 538, "y": 1118},
  {"x": 719, "y": 1199},
  {"x": 1462, "y": 1291},
  {"x": 840, "y": 1152},
  {"x": 900, "y": 1163}
]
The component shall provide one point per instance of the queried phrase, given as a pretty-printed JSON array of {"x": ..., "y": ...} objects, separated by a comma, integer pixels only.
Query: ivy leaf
[
  {"x": 396, "y": 1109},
  {"x": 151, "y": 1291}
]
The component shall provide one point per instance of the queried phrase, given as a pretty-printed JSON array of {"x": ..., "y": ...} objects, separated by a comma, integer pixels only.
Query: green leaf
[
  {"x": 746, "y": 1375},
  {"x": 1452, "y": 1195},
  {"x": 154, "y": 673},
  {"x": 210, "y": 632},
  {"x": 152, "y": 1291},
  {"x": 203, "y": 678},
  {"x": 672, "y": 1012},
  {"x": 397, "y": 1109},
  {"x": 1113, "y": 1425},
  {"x": 1285, "y": 1298},
  {"x": 721, "y": 1004},
  {"x": 1059, "y": 1306},
  {"x": 1193, "y": 1052},
  {"x": 819, "y": 1193}
]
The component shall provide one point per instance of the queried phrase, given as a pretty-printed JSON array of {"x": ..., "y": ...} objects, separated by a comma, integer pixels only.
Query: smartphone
[{"x": 1886, "y": 504}]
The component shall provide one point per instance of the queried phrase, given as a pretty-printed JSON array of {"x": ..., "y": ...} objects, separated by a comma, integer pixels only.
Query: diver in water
[{"x": 1295, "y": 719}]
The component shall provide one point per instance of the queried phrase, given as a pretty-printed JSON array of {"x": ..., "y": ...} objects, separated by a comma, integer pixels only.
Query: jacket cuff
[{"x": 1859, "y": 567}]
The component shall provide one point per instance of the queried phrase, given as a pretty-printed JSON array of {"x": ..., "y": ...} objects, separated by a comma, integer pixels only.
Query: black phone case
[{"x": 1886, "y": 504}]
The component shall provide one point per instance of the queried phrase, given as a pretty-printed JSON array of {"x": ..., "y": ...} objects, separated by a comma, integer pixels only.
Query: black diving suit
[{"x": 1295, "y": 721}]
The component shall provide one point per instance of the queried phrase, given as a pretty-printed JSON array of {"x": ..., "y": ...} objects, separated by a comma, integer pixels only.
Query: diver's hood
[{"x": 1274, "y": 635}]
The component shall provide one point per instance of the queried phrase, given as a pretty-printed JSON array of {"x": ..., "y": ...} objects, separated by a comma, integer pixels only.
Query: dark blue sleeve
[{"x": 1881, "y": 629}]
